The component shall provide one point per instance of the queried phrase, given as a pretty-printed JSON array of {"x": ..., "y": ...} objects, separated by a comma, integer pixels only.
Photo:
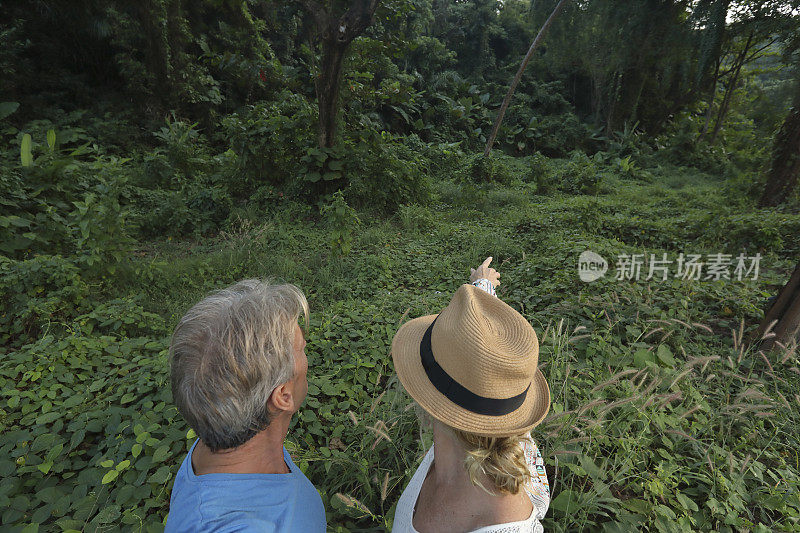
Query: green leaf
[
  {"x": 49, "y": 494},
  {"x": 161, "y": 453},
  {"x": 590, "y": 467},
  {"x": 6, "y": 469},
  {"x": 123, "y": 465},
  {"x": 136, "y": 449},
  {"x": 110, "y": 476},
  {"x": 21, "y": 503},
  {"x": 25, "y": 151},
  {"x": 686, "y": 502},
  {"x": 54, "y": 452},
  {"x": 7, "y": 108},
  {"x": 30, "y": 528},
  {"x": 77, "y": 438},
  {"x": 638, "y": 506},
  {"x": 108, "y": 463},
  {"x": 51, "y": 139},
  {"x": 43, "y": 441},
  {"x": 108, "y": 514},
  {"x": 125, "y": 494},
  {"x": 575, "y": 469},
  {"x": 566, "y": 501},
  {"x": 665, "y": 355},
  {"x": 663, "y": 510},
  {"x": 160, "y": 477},
  {"x": 642, "y": 357},
  {"x": 74, "y": 400}
]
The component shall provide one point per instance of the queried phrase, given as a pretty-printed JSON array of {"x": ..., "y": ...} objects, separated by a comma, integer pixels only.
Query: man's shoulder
[{"x": 245, "y": 502}]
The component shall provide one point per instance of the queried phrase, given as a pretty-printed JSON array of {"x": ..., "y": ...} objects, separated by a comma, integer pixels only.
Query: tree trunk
[
  {"x": 630, "y": 91},
  {"x": 785, "y": 160},
  {"x": 723, "y": 108},
  {"x": 336, "y": 33},
  {"x": 327, "y": 85},
  {"x": 782, "y": 321},
  {"x": 516, "y": 79},
  {"x": 156, "y": 53},
  {"x": 709, "y": 111},
  {"x": 613, "y": 98}
]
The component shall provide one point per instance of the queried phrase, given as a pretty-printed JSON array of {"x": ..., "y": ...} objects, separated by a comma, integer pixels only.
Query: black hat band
[{"x": 457, "y": 393}]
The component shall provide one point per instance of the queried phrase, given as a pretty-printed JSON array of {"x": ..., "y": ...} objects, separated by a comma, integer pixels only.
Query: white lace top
[{"x": 538, "y": 491}]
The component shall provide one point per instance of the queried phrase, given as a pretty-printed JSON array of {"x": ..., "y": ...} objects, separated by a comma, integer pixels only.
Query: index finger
[{"x": 487, "y": 261}]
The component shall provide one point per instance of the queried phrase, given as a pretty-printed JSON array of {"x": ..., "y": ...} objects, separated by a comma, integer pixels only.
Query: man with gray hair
[{"x": 238, "y": 372}]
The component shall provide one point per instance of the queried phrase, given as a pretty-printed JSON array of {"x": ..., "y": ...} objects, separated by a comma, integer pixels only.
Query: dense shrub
[
  {"x": 64, "y": 201},
  {"x": 38, "y": 292},
  {"x": 484, "y": 169},
  {"x": 383, "y": 173},
  {"x": 180, "y": 187},
  {"x": 627, "y": 168},
  {"x": 540, "y": 119},
  {"x": 680, "y": 145},
  {"x": 744, "y": 232},
  {"x": 443, "y": 159},
  {"x": 182, "y": 154},
  {"x": 268, "y": 140},
  {"x": 454, "y": 109},
  {"x": 577, "y": 175},
  {"x": 541, "y": 173},
  {"x": 415, "y": 218},
  {"x": 343, "y": 221},
  {"x": 580, "y": 175},
  {"x": 158, "y": 212}
]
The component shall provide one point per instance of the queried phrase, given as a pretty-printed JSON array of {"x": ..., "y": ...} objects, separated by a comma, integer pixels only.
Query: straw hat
[{"x": 474, "y": 366}]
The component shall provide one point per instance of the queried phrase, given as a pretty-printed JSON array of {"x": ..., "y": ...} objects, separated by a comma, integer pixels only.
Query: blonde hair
[
  {"x": 501, "y": 460},
  {"x": 227, "y": 355}
]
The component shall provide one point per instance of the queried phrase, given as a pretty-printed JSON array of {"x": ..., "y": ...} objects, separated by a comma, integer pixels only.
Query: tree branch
[
  {"x": 355, "y": 20},
  {"x": 320, "y": 14},
  {"x": 755, "y": 53}
]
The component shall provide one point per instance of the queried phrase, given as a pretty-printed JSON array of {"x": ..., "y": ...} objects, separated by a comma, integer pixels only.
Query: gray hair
[{"x": 227, "y": 355}]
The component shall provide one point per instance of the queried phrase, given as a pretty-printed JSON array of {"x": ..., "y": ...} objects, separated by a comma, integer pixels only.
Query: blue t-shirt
[{"x": 244, "y": 502}]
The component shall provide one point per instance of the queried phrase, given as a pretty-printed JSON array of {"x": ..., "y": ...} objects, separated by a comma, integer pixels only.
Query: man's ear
[{"x": 281, "y": 398}]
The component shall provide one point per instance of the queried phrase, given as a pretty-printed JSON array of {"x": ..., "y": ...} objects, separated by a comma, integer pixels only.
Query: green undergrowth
[{"x": 662, "y": 419}]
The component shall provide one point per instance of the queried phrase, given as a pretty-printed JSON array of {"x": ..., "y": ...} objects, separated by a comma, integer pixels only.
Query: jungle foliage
[{"x": 153, "y": 151}]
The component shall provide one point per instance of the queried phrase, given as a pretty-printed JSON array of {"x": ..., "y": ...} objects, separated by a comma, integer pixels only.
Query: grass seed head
[
  {"x": 385, "y": 487},
  {"x": 376, "y": 401},
  {"x": 679, "y": 377},
  {"x": 690, "y": 412},
  {"x": 703, "y": 326},
  {"x": 612, "y": 380},
  {"x": 351, "y": 502},
  {"x": 745, "y": 463},
  {"x": 764, "y": 357},
  {"x": 593, "y": 403}
]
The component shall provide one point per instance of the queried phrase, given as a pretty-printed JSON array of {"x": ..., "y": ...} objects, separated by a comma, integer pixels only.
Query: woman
[{"x": 473, "y": 371}]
